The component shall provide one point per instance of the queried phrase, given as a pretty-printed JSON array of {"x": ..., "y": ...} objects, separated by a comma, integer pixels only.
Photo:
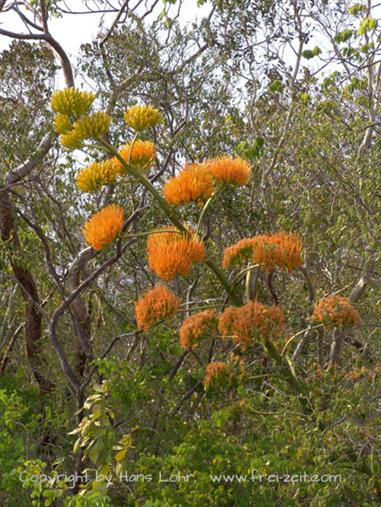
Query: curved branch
[
  {"x": 26, "y": 167},
  {"x": 65, "y": 62}
]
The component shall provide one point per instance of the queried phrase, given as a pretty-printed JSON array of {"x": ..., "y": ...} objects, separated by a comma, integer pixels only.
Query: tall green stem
[
  {"x": 286, "y": 369},
  {"x": 170, "y": 215},
  {"x": 287, "y": 372}
]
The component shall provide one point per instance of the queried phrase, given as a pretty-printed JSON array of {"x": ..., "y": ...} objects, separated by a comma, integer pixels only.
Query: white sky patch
[{"x": 72, "y": 30}]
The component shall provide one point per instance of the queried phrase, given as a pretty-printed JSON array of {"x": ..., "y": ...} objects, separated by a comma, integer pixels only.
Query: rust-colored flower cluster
[
  {"x": 336, "y": 311},
  {"x": 156, "y": 304},
  {"x": 139, "y": 154},
  {"x": 193, "y": 184},
  {"x": 282, "y": 250},
  {"x": 196, "y": 327},
  {"x": 217, "y": 373},
  {"x": 171, "y": 252},
  {"x": 104, "y": 226},
  {"x": 97, "y": 174},
  {"x": 251, "y": 321}
]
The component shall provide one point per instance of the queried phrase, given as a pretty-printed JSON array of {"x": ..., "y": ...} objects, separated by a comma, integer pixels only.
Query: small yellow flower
[
  {"x": 97, "y": 174},
  {"x": 62, "y": 123},
  {"x": 72, "y": 102},
  {"x": 142, "y": 117},
  {"x": 93, "y": 126},
  {"x": 104, "y": 226}
]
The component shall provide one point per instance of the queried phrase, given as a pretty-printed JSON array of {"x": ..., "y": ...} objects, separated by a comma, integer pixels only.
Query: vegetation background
[{"x": 294, "y": 88}]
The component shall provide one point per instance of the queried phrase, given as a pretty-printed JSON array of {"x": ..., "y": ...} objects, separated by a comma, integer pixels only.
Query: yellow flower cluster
[
  {"x": 336, "y": 311},
  {"x": 142, "y": 117},
  {"x": 156, "y": 304},
  {"x": 71, "y": 102},
  {"x": 282, "y": 250},
  {"x": 104, "y": 226},
  {"x": 62, "y": 123},
  {"x": 97, "y": 174},
  {"x": 73, "y": 121},
  {"x": 172, "y": 252},
  {"x": 94, "y": 126}
]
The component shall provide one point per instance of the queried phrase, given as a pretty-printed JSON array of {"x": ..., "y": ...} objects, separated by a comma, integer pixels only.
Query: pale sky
[{"x": 73, "y": 30}]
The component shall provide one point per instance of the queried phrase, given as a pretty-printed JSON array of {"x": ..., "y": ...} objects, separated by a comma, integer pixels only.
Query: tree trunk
[{"x": 33, "y": 314}]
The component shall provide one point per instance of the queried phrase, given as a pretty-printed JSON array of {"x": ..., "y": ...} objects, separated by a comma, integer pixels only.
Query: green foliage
[
  {"x": 251, "y": 151},
  {"x": 367, "y": 24},
  {"x": 143, "y": 410},
  {"x": 344, "y": 35},
  {"x": 311, "y": 53},
  {"x": 276, "y": 86},
  {"x": 357, "y": 9},
  {"x": 18, "y": 422}
]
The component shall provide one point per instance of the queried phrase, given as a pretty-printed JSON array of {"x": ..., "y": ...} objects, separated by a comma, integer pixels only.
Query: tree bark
[{"x": 33, "y": 314}]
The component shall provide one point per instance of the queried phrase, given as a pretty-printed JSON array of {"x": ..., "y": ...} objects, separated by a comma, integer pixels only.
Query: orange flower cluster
[
  {"x": 193, "y": 184},
  {"x": 196, "y": 327},
  {"x": 335, "y": 311},
  {"x": 229, "y": 170},
  {"x": 156, "y": 304},
  {"x": 245, "y": 323},
  {"x": 237, "y": 252},
  {"x": 217, "y": 372},
  {"x": 139, "y": 154},
  {"x": 104, "y": 226},
  {"x": 172, "y": 252},
  {"x": 282, "y": 250}
]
